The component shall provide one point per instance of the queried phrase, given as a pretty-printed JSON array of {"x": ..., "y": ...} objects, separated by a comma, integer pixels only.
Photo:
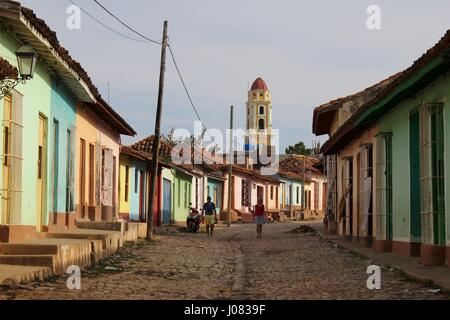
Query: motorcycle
[{"x": 193, "y": 220}]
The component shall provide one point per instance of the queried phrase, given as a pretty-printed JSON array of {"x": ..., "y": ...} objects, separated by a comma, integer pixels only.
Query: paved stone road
[{"x": 283, "y": 265}]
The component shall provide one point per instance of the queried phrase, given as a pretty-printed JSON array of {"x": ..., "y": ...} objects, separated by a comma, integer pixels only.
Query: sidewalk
[{"x": 440, "y": 276}]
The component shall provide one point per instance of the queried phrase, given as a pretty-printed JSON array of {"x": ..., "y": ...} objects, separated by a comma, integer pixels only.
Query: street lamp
[{"x": 26, "y": 61}]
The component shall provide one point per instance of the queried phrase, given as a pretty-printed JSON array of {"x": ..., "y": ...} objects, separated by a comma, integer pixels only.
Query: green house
[{"x": 411, "y": 118}]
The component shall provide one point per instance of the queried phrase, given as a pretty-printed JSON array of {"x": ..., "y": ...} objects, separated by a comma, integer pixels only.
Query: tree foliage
[{"x": 299, "y": 148}]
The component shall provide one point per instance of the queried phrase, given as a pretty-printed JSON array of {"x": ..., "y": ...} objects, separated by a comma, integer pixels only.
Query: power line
[
  {"x": 125, "y": 25},
  {"x": 187, "y": 91},
  {"x": 153, "y": 41},
  {"x": 105, "y": 25}
]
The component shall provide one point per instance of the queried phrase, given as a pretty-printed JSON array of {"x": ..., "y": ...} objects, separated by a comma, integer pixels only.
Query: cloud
[{"x": 308, "y": 52}]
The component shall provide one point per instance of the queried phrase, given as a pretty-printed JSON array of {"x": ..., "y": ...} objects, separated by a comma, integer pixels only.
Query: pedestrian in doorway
[
  {"x": 260, "y": 217},
  {"x": 210, "y": 216}
]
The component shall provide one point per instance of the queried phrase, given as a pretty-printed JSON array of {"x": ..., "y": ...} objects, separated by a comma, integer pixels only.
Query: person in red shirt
[{"x": 260, "y": 217}]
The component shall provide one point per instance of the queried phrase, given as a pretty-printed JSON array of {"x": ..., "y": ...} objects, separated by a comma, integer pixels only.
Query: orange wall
[{"x": 93, "y": 129}]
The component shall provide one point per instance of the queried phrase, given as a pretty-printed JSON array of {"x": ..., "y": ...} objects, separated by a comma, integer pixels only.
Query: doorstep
[{"x": 23, "y": 274}]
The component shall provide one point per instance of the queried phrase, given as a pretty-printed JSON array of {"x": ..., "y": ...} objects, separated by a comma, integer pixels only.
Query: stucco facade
[
  {"x": 100, "y": 202},
  {"x": 29, "y": 102}
]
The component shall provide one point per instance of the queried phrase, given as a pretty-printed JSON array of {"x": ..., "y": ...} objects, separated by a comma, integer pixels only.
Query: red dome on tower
[{"x": 259, "y": 84}]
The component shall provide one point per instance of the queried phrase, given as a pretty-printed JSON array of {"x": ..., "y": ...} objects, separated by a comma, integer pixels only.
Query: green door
[{"x": 414, "y": 157}]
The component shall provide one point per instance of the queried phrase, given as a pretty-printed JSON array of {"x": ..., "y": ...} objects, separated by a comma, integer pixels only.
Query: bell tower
[{"x": 259, "y": 115}]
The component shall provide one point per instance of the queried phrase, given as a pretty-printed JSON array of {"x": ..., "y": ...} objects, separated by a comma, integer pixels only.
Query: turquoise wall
[
  {"x": 397, "y": 122},
  {"x": 295, "y": 184},
  {"x": 63, "y": 110},
  {"x": 36, "y": 100},
  {"x": 135, "y": 194},
  {"x": 213, "y": 183}
]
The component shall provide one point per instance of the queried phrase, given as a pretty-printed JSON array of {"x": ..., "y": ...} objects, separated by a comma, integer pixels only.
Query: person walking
[
  {"x": 210, "y": 216},
  {"x": 260, "y": 217}
]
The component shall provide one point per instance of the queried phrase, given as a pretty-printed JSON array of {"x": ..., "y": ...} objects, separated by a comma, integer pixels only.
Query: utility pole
[
  {"x": 155, "y": 147},
  {"x": 230, "y": 168}
]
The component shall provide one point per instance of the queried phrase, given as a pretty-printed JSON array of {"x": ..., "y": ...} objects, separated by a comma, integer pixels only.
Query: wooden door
[
  {"x": 141, "y": 195},
  {"x": 82, "y": 177},
  {"x": 41, "y": 172}
]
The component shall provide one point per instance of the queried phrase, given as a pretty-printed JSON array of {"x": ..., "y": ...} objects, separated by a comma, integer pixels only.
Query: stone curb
[{"x": 412, "y": 275}]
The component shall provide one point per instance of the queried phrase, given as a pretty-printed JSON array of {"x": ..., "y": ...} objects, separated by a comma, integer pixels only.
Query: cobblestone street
[{"x": 285, "y": 264}]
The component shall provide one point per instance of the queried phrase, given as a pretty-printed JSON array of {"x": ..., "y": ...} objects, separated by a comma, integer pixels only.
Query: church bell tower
[{"x": 259, "y": 116}]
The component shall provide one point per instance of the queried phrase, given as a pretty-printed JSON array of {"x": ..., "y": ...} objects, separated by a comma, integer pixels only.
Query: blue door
[{"x": 167, "y": 201}]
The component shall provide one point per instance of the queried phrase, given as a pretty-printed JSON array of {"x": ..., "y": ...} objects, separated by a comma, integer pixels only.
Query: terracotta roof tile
[
  {"x": 7, "y": 71},
  {"x": 103, "y": 108}
]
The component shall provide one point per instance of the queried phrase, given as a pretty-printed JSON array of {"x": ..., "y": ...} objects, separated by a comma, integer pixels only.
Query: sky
[{"x": 308, "y": 52}]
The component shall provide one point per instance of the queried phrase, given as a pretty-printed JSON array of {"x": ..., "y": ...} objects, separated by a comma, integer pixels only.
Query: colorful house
[
  {"x": 182, "y": 193},
  {"x": 142, "y": 151},
  {"x": 133, "y": 185},
  {"x": 401, "y": 134},
  {"x": 291, "y": 194},
  {"x": 40, "y": 187},
  {"x": 311, "y": 193},
  {"x": 248, "y": 187}
]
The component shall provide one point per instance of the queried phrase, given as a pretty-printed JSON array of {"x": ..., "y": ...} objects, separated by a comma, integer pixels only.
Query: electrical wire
[
  {"x": 105, "y": 25},
  {"x": 126, "y": 25},
  {"x": 187, "y": 91},
  {"x": 146, "y": 39}
]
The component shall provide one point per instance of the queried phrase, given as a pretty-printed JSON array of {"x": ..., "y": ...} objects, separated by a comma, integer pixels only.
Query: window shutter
[
  {"x": 71, "y": 180},
  {"x": 107, "y": 171}
]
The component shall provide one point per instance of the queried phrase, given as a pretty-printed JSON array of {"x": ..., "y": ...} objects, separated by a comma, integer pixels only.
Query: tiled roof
[
  {"x": 349, "y": 131},
  {"x": 295, "y": 163},
  {"x": 11, "y": 8},
  {"x": 146, "y": 147},
  {"x": 322, "y": 113},
  {"x": 7, "y": 71}
]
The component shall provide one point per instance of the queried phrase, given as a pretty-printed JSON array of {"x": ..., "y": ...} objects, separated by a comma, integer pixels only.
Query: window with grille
[
  {"x": 365, "y": 196},
  {"x": 12, "y": 159},
  {"x": 331, "y": 171},
  {"x": 348, "y": 182},
  {"x": 244, "y": 193},
  {"x": 432, "y": 173},
  {"x": 383, "y": 186}
]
